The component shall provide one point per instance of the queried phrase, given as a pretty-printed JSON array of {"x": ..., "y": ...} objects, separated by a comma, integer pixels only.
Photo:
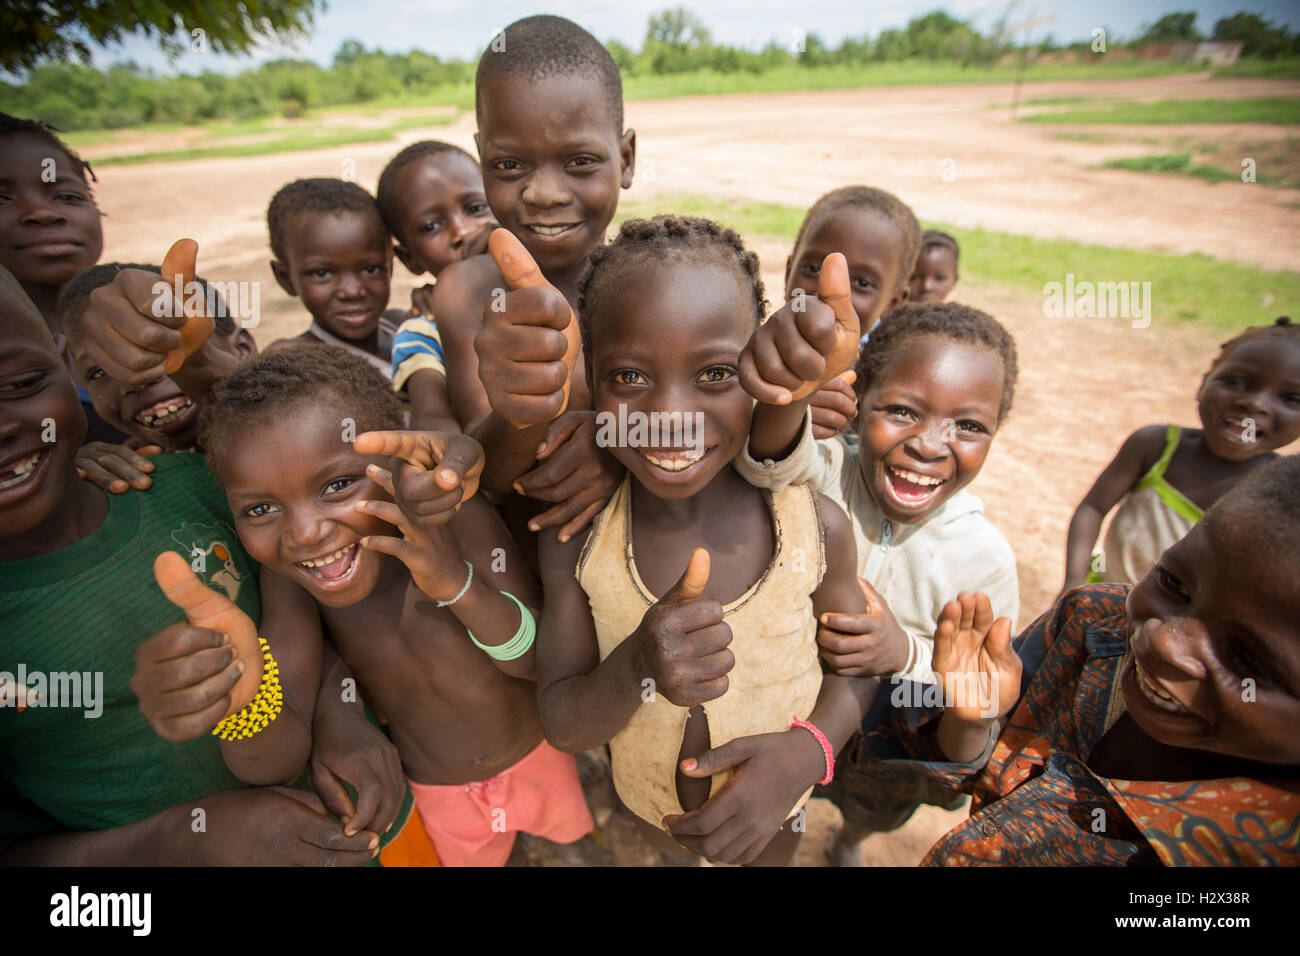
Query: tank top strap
[
  {"x": 1174, "y": 499},
  {"x": 799, "y": 526}
]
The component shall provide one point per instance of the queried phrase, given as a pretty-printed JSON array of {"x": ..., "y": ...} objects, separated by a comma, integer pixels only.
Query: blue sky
[{"x": 462, "y": 28}]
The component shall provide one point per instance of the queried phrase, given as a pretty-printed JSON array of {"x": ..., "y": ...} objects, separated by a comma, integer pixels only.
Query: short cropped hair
[
  {"x": 874, "y": 200},
  {"x": 318, "y": 196},
  {"x": 664, "y": 238},
  {"x": 540, "y": 47},
  {"x": 390, "y": 203},
  {"x": 948, "y": 320}
]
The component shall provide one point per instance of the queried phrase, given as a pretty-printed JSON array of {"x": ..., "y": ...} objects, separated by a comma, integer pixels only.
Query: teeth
[
  {"x": 915, "y": 478},
  {"x": 548, "y": 230},
  {"x": 21, "y": 471},
  {"x": 164, "y": 411},
  {"x": 321, "y": 562},
  {"x": 1155, "y": 695},
  {"x": 674, "y": 464}
]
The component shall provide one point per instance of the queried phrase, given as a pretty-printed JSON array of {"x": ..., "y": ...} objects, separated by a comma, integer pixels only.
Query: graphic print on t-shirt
[{"x": 207, "y": 548}]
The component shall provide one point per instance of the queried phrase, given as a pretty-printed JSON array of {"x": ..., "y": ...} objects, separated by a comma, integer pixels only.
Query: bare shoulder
[{"x": 464, "y": 288}]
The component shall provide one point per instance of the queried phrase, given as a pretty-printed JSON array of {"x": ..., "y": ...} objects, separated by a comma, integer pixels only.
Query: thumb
[
  {"x": 517, "y": 267},
  {"x": 694, "y": 578},
  {"x": 875, "y": 603},
  {"x": 178, "y": 269},
  {"x": 833, "y": 289},
  {"x": 717, "y": 759},
  {"x": 204, "y": 607}
]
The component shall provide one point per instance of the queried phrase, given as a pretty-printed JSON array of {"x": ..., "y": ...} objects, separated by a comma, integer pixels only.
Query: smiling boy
[{"x": 333, "y": 251}]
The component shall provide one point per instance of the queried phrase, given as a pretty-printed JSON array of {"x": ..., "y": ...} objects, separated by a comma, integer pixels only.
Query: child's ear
[
  {"x": 281, "y": 273},
  {"x": 243, "y": 344},
  {"x": 627, "y": 157},
  {"x": 409, "y": 259}
]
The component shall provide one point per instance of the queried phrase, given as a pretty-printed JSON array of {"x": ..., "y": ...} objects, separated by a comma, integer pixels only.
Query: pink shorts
[{"x": 475, "y": 824}]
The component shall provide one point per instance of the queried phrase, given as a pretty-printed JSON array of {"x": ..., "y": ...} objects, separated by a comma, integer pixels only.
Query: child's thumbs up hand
[
  {"x": 974, "y": 661},
  {"x": 189, "y": 676},
  {"x": 528, "y": 345},
  {"x": 178, "y": 269},
  {"x": 870, "y": 644},
  {"x": 682, "y": 640},
  {"x": 806, "y": 342},
  {"x": 134, "y": 328}
]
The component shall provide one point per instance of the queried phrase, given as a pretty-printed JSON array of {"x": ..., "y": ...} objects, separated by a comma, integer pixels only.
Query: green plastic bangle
[{"x": 517, "y": 646}]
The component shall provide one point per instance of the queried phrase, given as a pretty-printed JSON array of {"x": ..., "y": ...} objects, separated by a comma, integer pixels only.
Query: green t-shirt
[{"x": 82, "y": 611}]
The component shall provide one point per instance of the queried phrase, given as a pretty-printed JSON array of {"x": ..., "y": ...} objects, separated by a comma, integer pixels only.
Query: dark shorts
[{"x": 878, "y": 795}]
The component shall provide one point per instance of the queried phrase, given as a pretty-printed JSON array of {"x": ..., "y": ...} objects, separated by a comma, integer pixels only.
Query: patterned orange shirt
[{"x": 1036, "y": 802}]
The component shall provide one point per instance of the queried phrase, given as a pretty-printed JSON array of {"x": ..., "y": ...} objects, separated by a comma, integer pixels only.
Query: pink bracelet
[{"x": 827, "y": 750}]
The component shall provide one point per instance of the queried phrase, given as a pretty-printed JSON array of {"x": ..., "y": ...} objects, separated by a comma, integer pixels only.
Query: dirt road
[{"x": 1085, "y": 383}]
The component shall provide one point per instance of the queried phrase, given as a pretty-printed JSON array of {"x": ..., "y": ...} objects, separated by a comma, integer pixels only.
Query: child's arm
[
  {"x": 426, "y": 390},
  {"x": 458, "y": 301},
  {"x": 291, "y": 625},
  {"x": 802, "y": 346},
  {"x": 679, "y": 650},
  {"x": 979, "y": 673},
  {"x": 737, "y": 823},
  {"x": 270, "y": 826},
  {"x": 1138, "y": 453},
  {"x": 428, "y": 487},
  {"x": 190, "y": 676},
  {"x": 346, "y": 747}
]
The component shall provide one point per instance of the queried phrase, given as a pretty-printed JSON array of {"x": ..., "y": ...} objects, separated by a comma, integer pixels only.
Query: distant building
[{"x": 1210, "y": 53}]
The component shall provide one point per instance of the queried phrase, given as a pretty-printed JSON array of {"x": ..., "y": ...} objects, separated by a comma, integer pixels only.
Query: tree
[
  {"x": 33, "y": 31},
  {"x": 676, "y": 28},
  {"x": 1258, "y": 36},
  {"x": 1172, "y": 28}
]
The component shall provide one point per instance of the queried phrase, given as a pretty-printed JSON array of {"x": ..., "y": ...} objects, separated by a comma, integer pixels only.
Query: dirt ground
[{"x": 1085, "y": 384}]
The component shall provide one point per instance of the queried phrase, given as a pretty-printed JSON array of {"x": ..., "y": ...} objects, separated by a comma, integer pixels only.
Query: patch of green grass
[
  {"x": 1082, "y": 137},
  {"x": 285, "y": 144},
  {"x": 1184, "y": 288},
  {"x": 421, "y": 121},
  {"x": 1258, "y": 109},
  {"x": 1250, "y": 66},
  {"x": 1175, "y": 162}
]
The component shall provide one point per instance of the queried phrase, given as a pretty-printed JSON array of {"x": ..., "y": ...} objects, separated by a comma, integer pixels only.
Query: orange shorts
[{"x": 475, "y": 824}]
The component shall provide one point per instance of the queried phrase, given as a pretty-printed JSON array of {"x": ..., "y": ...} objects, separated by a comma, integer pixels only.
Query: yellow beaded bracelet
[{"x": 262, "y": 709}]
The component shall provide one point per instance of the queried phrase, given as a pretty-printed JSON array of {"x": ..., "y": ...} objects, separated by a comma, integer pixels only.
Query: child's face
[
  {"x": 339, "y": 264},
  {"x": 1215, "y": 645},
  {"x": 927, "y": 424},
  {"x": 158, "y": 413},
  {"x": 671, "y": 346},
  {"x": 36, "y": 395},
  {"x": 553, "y": 163},
  {"x": 49, "y": 231},
  {"x": 1253, "y": 393},
  {"x": 445, "y": 216},
  {"x": 934, "y": 276},
  {"x": 292, "y": 484},
  {"x": 871, "y": 243}
]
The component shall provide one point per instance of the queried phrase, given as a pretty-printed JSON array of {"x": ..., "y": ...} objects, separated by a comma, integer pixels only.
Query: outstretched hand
[
  {"x": 434, "y": 474},
  {"x": 974, "y": 661},
  {"x": 529, "y": 342}
]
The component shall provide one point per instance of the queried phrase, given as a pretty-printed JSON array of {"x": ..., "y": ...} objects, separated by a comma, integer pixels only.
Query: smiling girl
[
  {"x": 705, "y": 682},
  {"x": 933, "y": 387},
  {"x": 1165, "y": 476}
]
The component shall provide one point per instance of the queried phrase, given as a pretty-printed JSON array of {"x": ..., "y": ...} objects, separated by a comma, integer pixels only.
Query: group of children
[{"x": 403, "y": 570}]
